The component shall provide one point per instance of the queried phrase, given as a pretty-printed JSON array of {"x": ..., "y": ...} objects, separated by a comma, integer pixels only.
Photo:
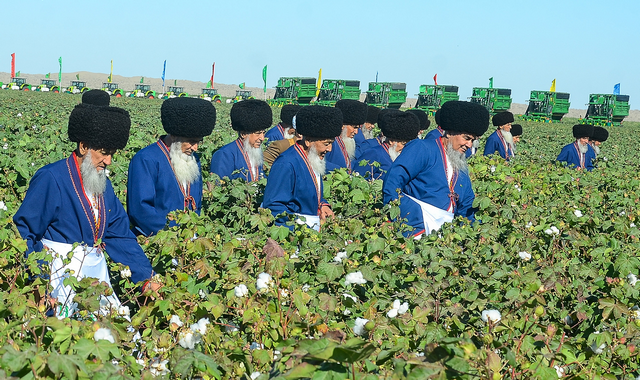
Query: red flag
[
  {"x": 213, "y": 69},
  {"x": 435, "y": 79},
  {"x": 13, "y": 65}
]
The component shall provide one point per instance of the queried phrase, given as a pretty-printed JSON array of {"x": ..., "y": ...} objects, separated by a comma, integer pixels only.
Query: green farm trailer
[
  {"x": 47, "y": 85},
  {"x": 77, "y": 87},
  {"x": 386, "y": 94},
  {"x": 112, "y": 89},
  {"x": 142, "y": 91},
  {"x": 433, "y": 96},
  {"x": 17, "y": 84},
  {"x": 607, "y": 109},
  {"x": 175, "y": 92},
  {"x": 210, "y": 94},
  {"x": 294, "y": 90},
  {"x": 333, "y": 90},
  {"x": 493, "y": 99},
  {"x": 547, "y": 106}
]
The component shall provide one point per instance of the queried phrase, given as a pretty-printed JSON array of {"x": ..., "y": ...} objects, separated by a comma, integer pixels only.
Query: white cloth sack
[{"x": 432, "y": 216}]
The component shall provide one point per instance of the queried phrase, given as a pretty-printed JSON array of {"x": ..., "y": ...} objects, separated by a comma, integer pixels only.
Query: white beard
[
  {"x": 349, "y": 144},
  {"x": 508, "y": 138},
  {"x": 256, "y": 157},
  {"x": 318, "y": 164},
  {"x": 287, "y": 135},
  {"x": 367, "y": 133},
  {"x": 583, "y": 148},
  {"x": 457, "y": 159},
  {"x": 596, "y": 149},
  {"x": 393, "y": 153},
  {"x": 93, "y": 180},
  {"x": 185, "y": 166}
]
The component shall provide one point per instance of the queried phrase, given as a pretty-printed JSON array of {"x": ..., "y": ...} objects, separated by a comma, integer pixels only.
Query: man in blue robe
[
  {"x": 438, "y": 132},
  {"x": 599, "y": 136},
  {"x": 294, "y": 187},
  {"x": 243, "y": 157},
  {"x": 374, "y": 141},
  {"x": 366, "y": 131},
  {"x": 343, "y": 152},
  {"x": 398, "y": 129},
  {"x": 579, "y": 154},
  {"x": 166, "y": 175},
  {"x": 284, "y": 130},
  {"x": 431, "y": 177},
  {"x": 424, "y": 119},
  {"x": 72, "y": 201},
  {"x": 500, "y": 141}
]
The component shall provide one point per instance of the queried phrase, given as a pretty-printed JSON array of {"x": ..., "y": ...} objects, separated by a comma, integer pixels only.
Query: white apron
[
  {"x": 432, "y": 216},
  {"x": 313, "y": 221}
]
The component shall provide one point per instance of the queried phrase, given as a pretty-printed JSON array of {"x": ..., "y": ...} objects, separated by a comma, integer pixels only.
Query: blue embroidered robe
[
  {"x": 420, "y": 172},
  {"x": 274, "y": 134},
  {"x": 359, "y": 139},
  {"x": 231, "y": 158},
  {"x": 496, "y": 143},
  {"x": 338, "y": 155},
  {"x": 378, "y": 154},
  {"x": 368, "y": 144},
  {"x": 153, "y": 190},
  {"x": 571, "y": 155},
  {"x": 55, "y": 209}
]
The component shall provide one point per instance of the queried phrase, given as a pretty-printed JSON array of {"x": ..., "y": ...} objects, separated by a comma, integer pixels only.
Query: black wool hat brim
[
  {"x": 516, "y": 130},
  {"x": 401, "y": 126},
  {"x": 188, "y": 117},
  {"x": 287, "y": 113},
  {"x": 251, "y": 116},
  {"x": 464, "y": 117},
  {"x": 319, "y": 122},
  {"x": 96, "y": 97},
  {"x": 99, "y": 127},
  {"x": 502, "y": 118},
  {"x": 353, "y": 111},
  {"x": 372, "y": 114},
  {"x": 600, "y": 134},
  {"x": 422, "y": 116},
  {"x": 582, "y": 130}
]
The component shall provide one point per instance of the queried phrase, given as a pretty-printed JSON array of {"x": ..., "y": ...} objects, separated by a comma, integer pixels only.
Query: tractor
[
  {"x": 77, "y": 87},
  {"x": 211, "y": 94},
  {"x": 142, "y": 91},
  {"x": 433, "y": 96},
  {"x": 47, "y": 85},
  {"x": 112, "y": 89},
  {"x": 547, "y": 106},
  {"x": 17, "y": 84},
  {"x": 386, "y": 94},
  {"x": 493, "y": 99},
  {"x": 175, "y": 92},
  {"x": 242, "y": 95},
  {"x": 607, "y": 109},
  {"x": 333, "y": 90},
  {"x": 294, "y": 91}
]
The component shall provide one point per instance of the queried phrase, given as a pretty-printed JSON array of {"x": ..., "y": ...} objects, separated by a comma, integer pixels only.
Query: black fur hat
[
  {"x": 437, "y": 117},
  {"x": 466, "y": 117},
  {"x": 384, "y": 116},
  {"x": 600, "y": 134},
  {"x": 96, "y": 97},
  {"x": 502, "y": 118},
  {"x": 99, "y": 127},
  {"x": 422, "y": 116},
  {"x": 353, "y": 111},
  {"x": 319, "y": 122},
  {"x": 582, "y": 130},
  {"x": 372, "y": 114},
  {"x": 188, "y": 117},
  {"x": 516, "y": 130},
  {"x": 251, "y": 115},
  {"x": 400, "y": 126},
  {"x": 287, "y": 113}
]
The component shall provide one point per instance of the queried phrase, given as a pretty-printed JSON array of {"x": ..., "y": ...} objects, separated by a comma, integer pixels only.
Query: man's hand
[{"x": 325, "y": 212}]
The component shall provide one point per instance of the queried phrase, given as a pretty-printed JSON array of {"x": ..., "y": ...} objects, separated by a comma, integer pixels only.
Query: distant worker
[
  {"x": 500, "y": 141},
  {"x": 243, "y": 157},
  {"x": 516, "y": 132},
  {"x": 600, "y": 135},
  {"x": 284, "y": 129},
  {"x": 366, "y": 131},
  {"x": 354, "y": 114},
  {"x": 579, "y": 154},
  {"x": 166, "y": 176},
  {"x": 376, "y": 140},
  {"x": 96, "y": 97}
]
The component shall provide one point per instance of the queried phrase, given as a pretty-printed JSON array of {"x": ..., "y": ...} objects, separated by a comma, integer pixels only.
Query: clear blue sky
[{"x": 587, "y": 46}]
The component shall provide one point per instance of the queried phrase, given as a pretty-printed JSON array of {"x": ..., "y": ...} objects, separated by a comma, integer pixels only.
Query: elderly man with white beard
[
  {"x": 398, "y": 128},
  {"x": 431, "y": 176},
  {"x": 294, "y": 186},
  {"x": 284, "y": 130},
  {"x": 501, "y": 141},
  {"x": 243, "y": 158},
  {"x": 72, "y": 201},
  {"x": 343, "y": 152},
  {"x": 579, "y": 154},
  {"x": 600, "y": 135},
  {"x": 166, "y": 175}
]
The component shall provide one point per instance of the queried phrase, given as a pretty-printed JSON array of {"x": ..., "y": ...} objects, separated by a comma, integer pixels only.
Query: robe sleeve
[
  {"x": 465, "y": 203},
  {"x": 141, "y": 196},
  {"x": 491, "y": 146},
  {"x": 222, "y": 163},
  {"x": 41, "y": 205},
  {"x": 278, "y": 193},
  {"x": 405, "y": 168},
  {"x": 563, "y": 156}
]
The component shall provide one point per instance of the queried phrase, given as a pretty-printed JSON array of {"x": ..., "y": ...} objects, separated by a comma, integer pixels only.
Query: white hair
[
  {"x": 318, "y": 164},
  {"x": 256, "y": 157},
  {"x": 367, "y": 133},
  {"x": 349, "y": 144},
  {"x": 93, "y": 180},
  {"x": 185, "y": 166}
]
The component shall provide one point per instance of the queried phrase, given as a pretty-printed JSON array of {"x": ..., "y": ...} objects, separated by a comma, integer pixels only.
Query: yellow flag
[
  {"x": 553, "y": 86},
  {"x": 111, "y": 73},
  {"x": 319, "y": 84}
]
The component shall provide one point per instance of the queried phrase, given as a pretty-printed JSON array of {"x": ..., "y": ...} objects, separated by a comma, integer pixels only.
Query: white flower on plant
[
  {"x": 255, "y": 375},
  {"x": 493, "y": 168},
  {"x": 263, "y": 281},
  {"x": 526, "y": 256},
  {"x": 159, "y": 368},
  {"x": 577, "y": 213},
  {"x": 354, "y": 278},
  {"x": 126, "y": 272},
  {"x": 306, "y": 287},
  {"x": 3, "y": 206},
  {"x": 559, "y": 371},
  {"x": 241, "y": 290},
  {"x": 200, "y": 326},
  {"x": 491, "y": 315},
  {"x": 397, "y": 309},
  {"x": 103, "y": 333},
  {"x": 553, "y": 230},
  {"x": 341, "y": 255},
  {"x": 284, "y": 293},
  {"x": 632, "y": 279},
  {"x": 256, "y": 346},
  {"x": 359, "y": 329},
  {"x": 175, "y": 319}
]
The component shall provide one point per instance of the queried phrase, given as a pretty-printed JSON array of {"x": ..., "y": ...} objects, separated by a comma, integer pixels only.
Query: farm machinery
[
  {"x": 386, "y": 94},
  {"x": 242, "y": 95},
  {"x": 77, "y": 87},
  {"x": 433, "y": 96},
  {"x": 333, "y": 90},
  {"x": 493, "y": 99},
  {"x": 17, "y": 84},
  {"x": 547, "y": 106},
  {"x": 142, "y": 91},
  {"x": 47, "y": 85},
  {"x": 175, "y": 92},
  {"x": 211, "y": 94},
  {"x": 607, "y": 109},
  {"x": 294, "y": 91},
  {"x": 112, "y": 89}
]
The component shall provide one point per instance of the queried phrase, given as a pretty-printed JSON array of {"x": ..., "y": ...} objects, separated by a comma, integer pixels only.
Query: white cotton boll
[
  {"x": 103, "y": 334},
  {"x": 19, "y": 114},
  {"x": 140, "y": 362},
  {"x": 392, "y": 313},
  {"x": 202, "y": 294},
  {"x": 284, "y": 293},
  {"x": 359, "y": 329},
  {"x": 555, "y": 230},
  {"x": 354, "y": 299},
  {"x": 632, "y": 225},
  {"x": 529, "y": 225},
  {"x": 5, "y": 146},
  {"x": 622, "y": 213},
  {"x": 3, "y": 206},
  {"x": 175, "y": 319},
  {"x": 346, "y": 312},
  {"x": 159, "y": 368},
  {"x": 125, "y": 273},
  {"x": 232, "y": 327},
  {"x": 354, "y": 278},
  {"x": 493, "y": 168},
  {"x": 491, "y": 315},
  {"x": 200, "y": 326},
  {"x": 526, "y": 256},
  {"x": 306, "y": 287},
  {"x": 339, "y": 256},
  {"x": 188, "y": 340},
  {"x": 632, "y": 279},
  {"x": 255, "y": 375},
  {"x": 241, "y": 290},
  {"x": 403, "y": 308},
  {"x": 577, "y": 213},
  {"x": 396, "y": 304},
  {"x": 123, "y": 311},
  {"x": 559, "y": 371},
  {"x": 263, "y": 281}
]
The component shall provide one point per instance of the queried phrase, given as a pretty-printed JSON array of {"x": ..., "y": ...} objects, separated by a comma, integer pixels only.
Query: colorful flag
[
  {"x": 209, "y": 84},
  {"x": 553, "y": 86},
  {"x": 141, "y": 79},
  {"x": 111, "y": 72},
  {"x": 77, "y": 76},
  {"x": 616, "y": 89},
  {"x": 435, "y": 79},
  {"x": 491, "y": 82},
  {"x": 18, "y": 74},
  {"x": 175, "y": 82},
  {"x": 213, "y": 69},
  {"x": 60, "y": 72},
  {"x": 47, "y": 76},
  {"x": 241, "y": 85},
  {"x": 13, "y": 65},
  {"x": 264, "y": 77},
  {"x": 319, "y": 82},
  {"x": 163, "y": 71}
]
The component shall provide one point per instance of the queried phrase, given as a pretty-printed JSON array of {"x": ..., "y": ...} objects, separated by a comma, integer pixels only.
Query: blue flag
[
  {"x": 616, "y": 89},
  {"x": 163, "y": 70}
]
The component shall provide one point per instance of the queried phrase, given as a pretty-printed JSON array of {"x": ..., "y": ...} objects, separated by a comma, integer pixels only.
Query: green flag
[
  {"x": 141, "y": 79},
  {"x": 264, "y": 77},
  {"x": 60, "y": 72},
  {"x": 48, "y": 75},
  {"x": 209, "y": 84},
  {"x": 241, "y": 85},
  {"x": 491, "y": 82},
  {"x": 175, "y": 82},
  {"x": 77, "y": 76},
  {"x": 18, "y": 74}
]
